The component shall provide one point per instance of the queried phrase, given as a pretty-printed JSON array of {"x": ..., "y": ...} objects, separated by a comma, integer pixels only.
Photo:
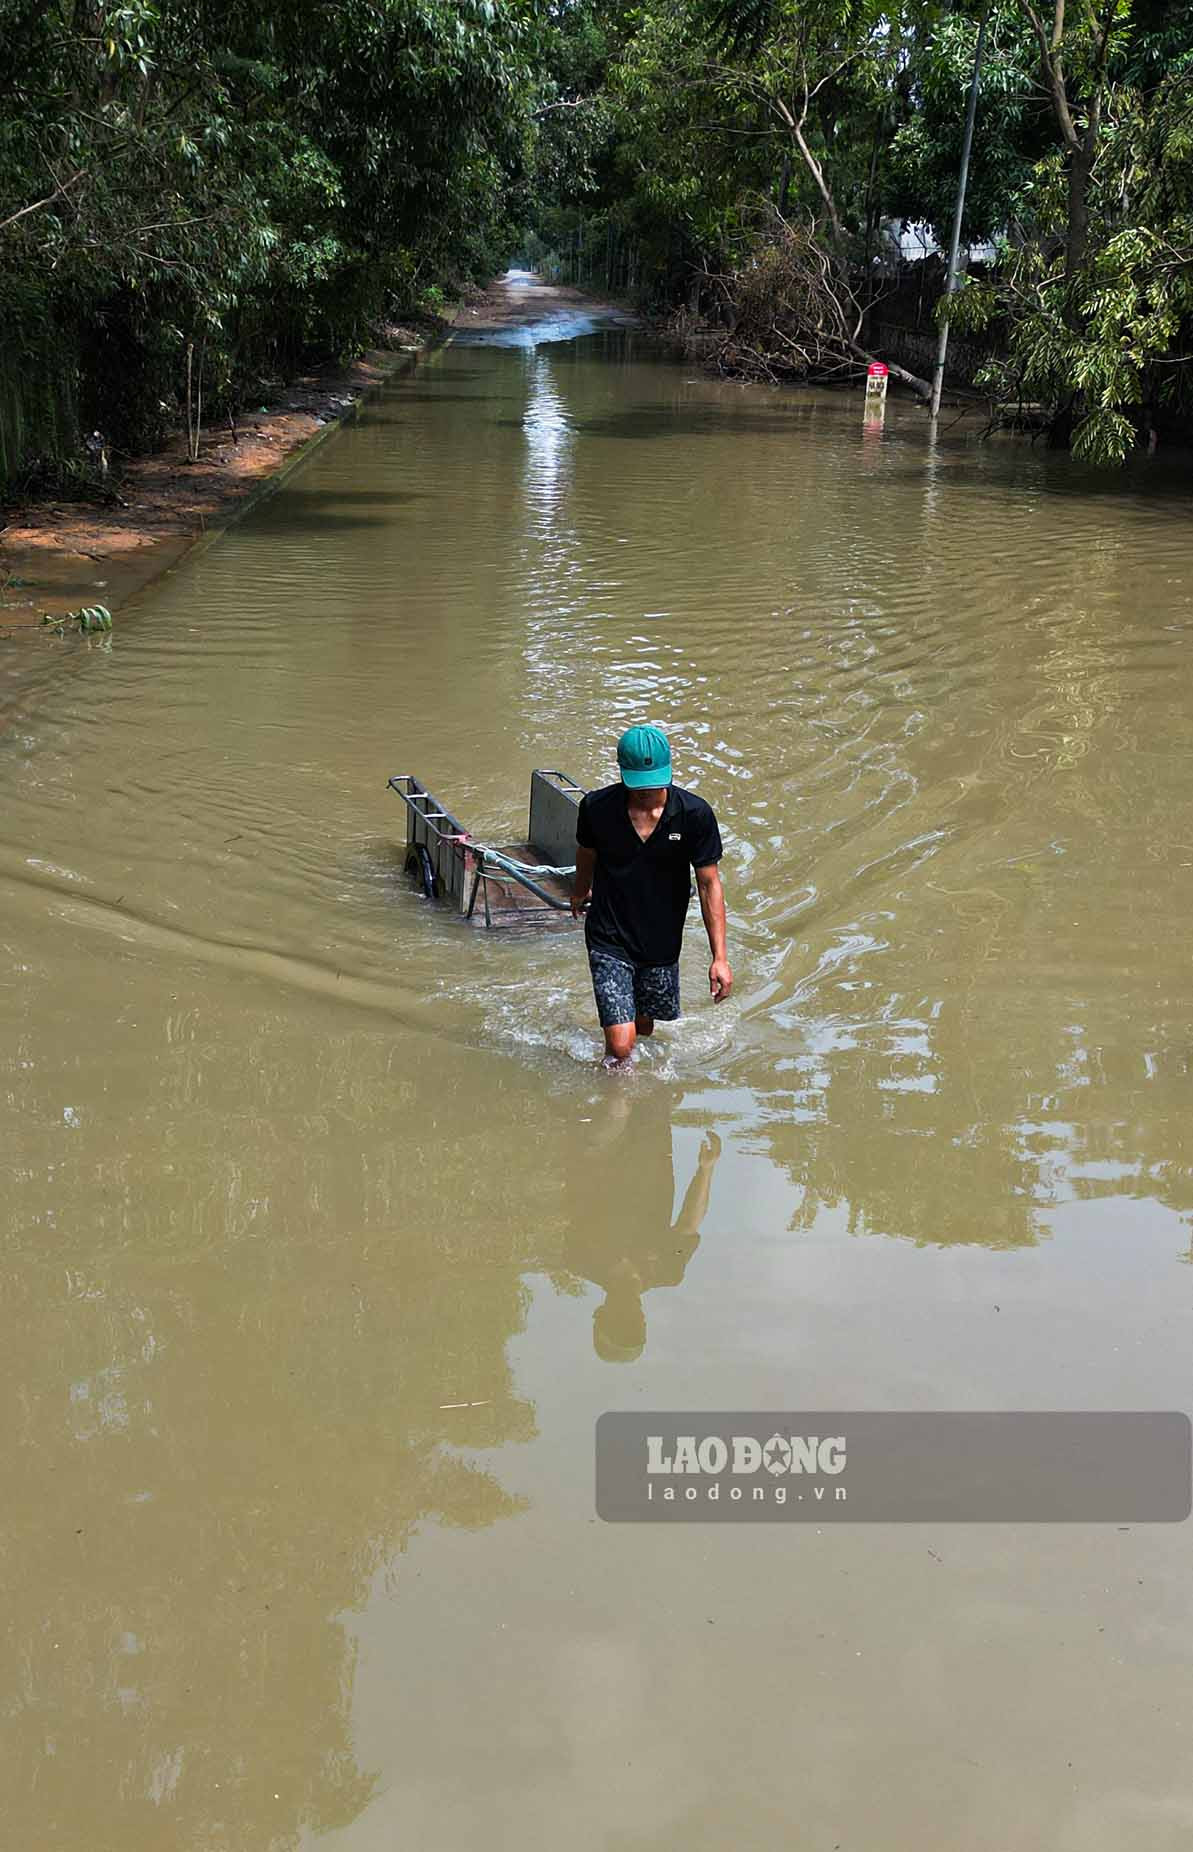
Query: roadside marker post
[{"x": 876, "y": 382}]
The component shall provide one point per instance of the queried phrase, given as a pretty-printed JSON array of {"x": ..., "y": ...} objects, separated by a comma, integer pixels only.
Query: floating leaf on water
[{"x": 89, "y": 617}]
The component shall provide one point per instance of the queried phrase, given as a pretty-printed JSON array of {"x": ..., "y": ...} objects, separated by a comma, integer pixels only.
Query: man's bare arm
[
  {"x": 712, "y": 906},
  {"x": 582, "y": 880},
  {"x": 695, "y": 1202}
]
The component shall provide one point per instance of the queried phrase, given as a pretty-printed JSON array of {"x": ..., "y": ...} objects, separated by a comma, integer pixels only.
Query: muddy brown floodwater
[{"x": 317, "y": 1199}]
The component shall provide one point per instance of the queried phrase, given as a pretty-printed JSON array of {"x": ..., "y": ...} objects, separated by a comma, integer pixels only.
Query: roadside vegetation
[
  {"x": 201, "y": 196},
  {"x": 747, "y": 162}
]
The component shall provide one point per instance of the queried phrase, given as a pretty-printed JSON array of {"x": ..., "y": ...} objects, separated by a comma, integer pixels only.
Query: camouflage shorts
[{"x": 624, "y": 991}]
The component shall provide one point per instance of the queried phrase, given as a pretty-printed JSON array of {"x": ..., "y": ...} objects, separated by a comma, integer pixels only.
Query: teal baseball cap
[{"x": 644, "y": 756}]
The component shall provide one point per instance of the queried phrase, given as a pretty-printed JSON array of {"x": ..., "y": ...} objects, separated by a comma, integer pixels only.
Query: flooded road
[{"x": 326, "y": 1242}]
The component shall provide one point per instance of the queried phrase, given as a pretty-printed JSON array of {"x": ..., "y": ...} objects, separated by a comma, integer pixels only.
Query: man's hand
[
  {"x": 582, "y": 881},
  {"x": 712, "y": 906}
]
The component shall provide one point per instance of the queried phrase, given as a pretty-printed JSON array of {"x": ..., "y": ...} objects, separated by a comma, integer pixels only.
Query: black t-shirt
[{"x": 641, "y": 890}]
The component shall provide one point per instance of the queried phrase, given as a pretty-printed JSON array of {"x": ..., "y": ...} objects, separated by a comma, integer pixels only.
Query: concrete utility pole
[{"x": 950, "y": 281}]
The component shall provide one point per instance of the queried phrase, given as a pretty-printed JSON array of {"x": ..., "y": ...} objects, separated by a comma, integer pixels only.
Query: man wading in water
[{"x": 636, "y": 845}]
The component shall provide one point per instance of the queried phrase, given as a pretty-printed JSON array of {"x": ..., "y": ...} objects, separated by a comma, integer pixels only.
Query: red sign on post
[{"x": 876, "y": 380}]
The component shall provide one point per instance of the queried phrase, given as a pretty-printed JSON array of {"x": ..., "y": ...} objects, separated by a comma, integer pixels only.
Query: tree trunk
[
  {"x": 822, "y": 186},
  {"x": 1060, "y": 431},
  {"x": 784, "y": 186},
  {"x": 1081, "y": 167}
]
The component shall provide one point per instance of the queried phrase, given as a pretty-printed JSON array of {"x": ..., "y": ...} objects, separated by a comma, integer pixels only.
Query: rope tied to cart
[{"x": 519, "y": 868}]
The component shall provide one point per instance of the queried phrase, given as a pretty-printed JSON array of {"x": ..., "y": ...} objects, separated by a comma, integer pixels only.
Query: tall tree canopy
[
  {"x": 762, "y": 143},
  {"x": 244, "y": 186},
  {"x": 260, "y": 180}
]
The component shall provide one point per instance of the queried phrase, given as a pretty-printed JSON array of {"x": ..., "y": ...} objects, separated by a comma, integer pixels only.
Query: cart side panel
[
  {"x": 439, "y": 832},
  {"x": 453, "y": 875},
  {"x": 552, "y": 827}
]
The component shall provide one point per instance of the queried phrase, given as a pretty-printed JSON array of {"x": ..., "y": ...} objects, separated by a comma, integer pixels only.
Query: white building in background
[{"x": 912, "y": 243}]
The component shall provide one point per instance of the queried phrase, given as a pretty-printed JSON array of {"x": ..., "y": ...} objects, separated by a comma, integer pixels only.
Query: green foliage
[
  {"x": 233, "y": 190},
  {"x": 1105, "y": 339},
  {"x": 721, "y": 120},
  {"x": 260, "y": 183},
  {"x": 1010, "y": 131}
]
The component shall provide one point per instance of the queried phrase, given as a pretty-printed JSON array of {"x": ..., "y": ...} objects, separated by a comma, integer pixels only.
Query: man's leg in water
[
  {"x": 613, "y": 988},
  {"x": 630, "y": 999},
  {"x": 656, "y": 996},
  {"x": 620, "y": 1037}
]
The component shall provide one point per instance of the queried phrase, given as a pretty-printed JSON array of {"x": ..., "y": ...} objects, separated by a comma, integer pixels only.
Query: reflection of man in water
[{"x": 620, "y": 1234}]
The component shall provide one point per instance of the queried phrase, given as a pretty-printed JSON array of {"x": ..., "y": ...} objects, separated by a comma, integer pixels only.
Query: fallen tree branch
[
  {"x": 797, "y": 310},
  {"x": 921, "y": 387}
]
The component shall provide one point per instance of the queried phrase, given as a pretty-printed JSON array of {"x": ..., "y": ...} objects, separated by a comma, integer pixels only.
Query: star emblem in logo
[{"x": 776, "y": 1455}]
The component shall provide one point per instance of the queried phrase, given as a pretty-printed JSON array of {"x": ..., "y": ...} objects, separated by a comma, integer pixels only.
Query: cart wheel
[{"x": 421, "y": 869}]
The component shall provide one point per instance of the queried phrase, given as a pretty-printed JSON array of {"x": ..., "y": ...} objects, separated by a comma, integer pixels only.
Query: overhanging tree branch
[{"x": 39, "y": 204}]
